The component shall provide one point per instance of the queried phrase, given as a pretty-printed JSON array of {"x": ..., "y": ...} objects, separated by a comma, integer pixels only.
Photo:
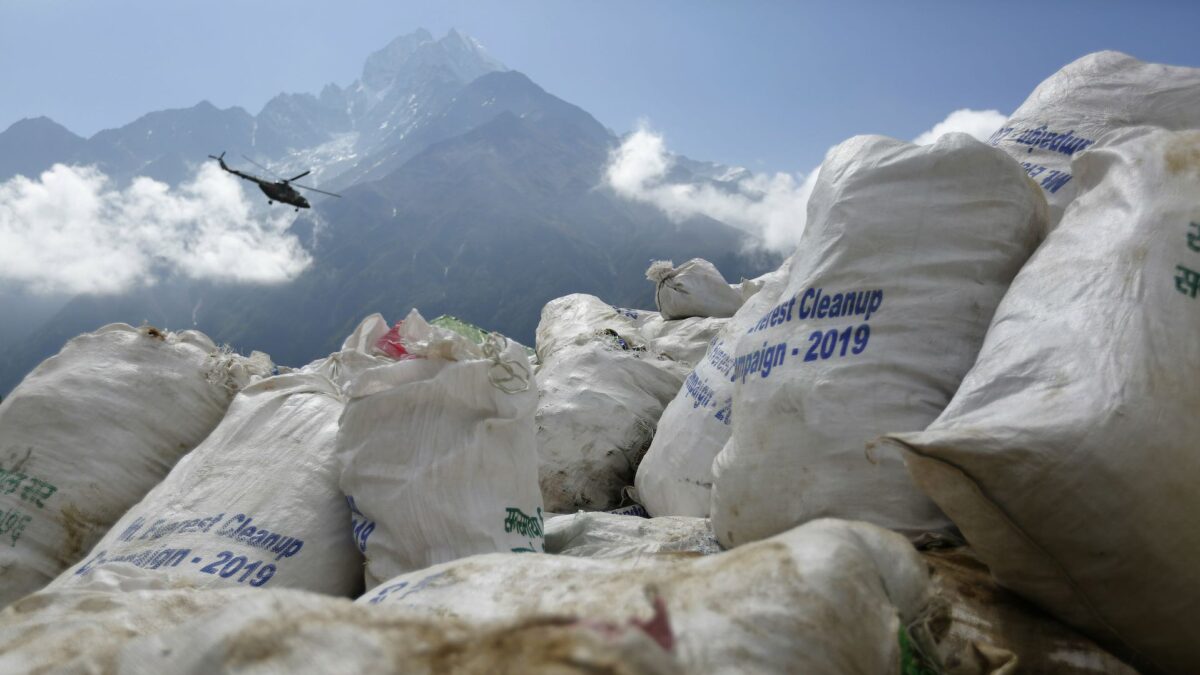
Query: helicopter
[{"x": 281, "y": 190}]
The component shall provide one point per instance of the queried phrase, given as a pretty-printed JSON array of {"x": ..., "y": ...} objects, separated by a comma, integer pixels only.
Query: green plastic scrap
[
  {"x": 470, "y": 331},
  {"x": 912, "y": 662}
]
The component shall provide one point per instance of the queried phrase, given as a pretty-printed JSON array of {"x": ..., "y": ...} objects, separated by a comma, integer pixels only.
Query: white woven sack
[
  {"x": 1069, "y": 457},
  {"x": 907, "y": 252},
  {"x": 1087, "y": 98},
  {"x": 608, "y": 535},
  {"x": 828, "y": 597},
  {"x": 578, "y": 318},
  {"x": 91, "y": 430},
  {"x": 142, "y": 626},
  {"x": 257, "y": 504},
  {"x": 438, "y": 455},
  {"x": 992, "y": 631},
  {"x": 684, "y": 341},
  {"x": 675, "y": 476},
  {"x": 598, "y": 407},
  {"x": 695, "y": 288},
  {"x": 82, "y": 628},
  {"x": 293, "y": 632}
]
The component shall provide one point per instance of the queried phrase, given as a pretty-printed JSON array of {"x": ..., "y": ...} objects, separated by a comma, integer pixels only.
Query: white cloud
[
  {"x": 772, "y": 207},
  {"x": 978, "y": 123},
  {"x": 71, "y": 231}
]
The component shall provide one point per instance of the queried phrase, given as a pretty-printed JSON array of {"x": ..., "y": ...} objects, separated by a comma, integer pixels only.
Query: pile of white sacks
[{"x": 954, "y": 432}]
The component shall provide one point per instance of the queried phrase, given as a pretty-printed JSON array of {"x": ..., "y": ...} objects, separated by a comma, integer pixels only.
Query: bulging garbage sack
[
  {"x": 684, "y": 341},
  {"x": 828, "y": 597},
  {"x": 987, "y": 630},
  {"x": 607, "y": 535},
  {"x": 675, "y": 476},
  {"x": 1089, "y": 97},
  {"x": 257, "y": 504},
  {"x": 92, "y": 429},
  {"x": 695, "y": 288},
  {"x": 293, "y": 632},
  {"x": 577, "y": 319},
  {"x": 597, "y": 411},
  {"x": 1068, "y": 457},
  {"x": 907, "y": 252},
  {"x": 82, "y": 628},
  {"x": 437, "y": 452},
  {"x": 142, "y": 626}
]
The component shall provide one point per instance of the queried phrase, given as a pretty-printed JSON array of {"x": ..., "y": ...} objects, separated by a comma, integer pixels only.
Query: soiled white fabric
[
  {"x": 675, "y": 476},
  {"x": 578, "y": 318},
  {"x": 607, "y": 535},
  {"x": 287, "y": 632},
  {"x": 1069, "y": 457},
  {"x": 828, "y": 597},
  {"x": 987, "y": 630},
  {"x": 907, "y": 252},
  {"x": 257, "y": 504},
  {"x": 438, "y": 454},
  {"x": 597, "y": 411},
  {"x": 141, "y": 626},
  {"x": 684, "y": 341},
  {"x": 695, "y": 288},
  {"x": 92, "y": 429},
  {"x": 81, "y": 629},
  {"x": 1089, "y": 97}
]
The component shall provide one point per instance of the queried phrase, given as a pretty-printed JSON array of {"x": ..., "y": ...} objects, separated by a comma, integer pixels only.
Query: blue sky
[{"x": 768, "y": 85}]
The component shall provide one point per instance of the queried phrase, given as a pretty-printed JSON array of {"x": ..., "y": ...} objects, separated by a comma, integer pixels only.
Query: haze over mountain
[{"x": 467, "y": 190}]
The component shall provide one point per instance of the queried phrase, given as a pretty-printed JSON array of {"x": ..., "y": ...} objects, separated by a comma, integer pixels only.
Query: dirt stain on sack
[
  {"x": 16, "y": 465},
  {"x": 990, "y": 629},
  {"x": 1184, "y": 156},
  {"x": 77, "y": 530}
]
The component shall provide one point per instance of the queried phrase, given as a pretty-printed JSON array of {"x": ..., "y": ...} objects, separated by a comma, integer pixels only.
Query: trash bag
[
  {"x": 1068, "y": 457},
  {"x": 684, "y": 341},
  {"x": 578, "y": 318},
  {"x": 695, "y": 288},
  {"x": 597, "y": 410},
  {"x": 82, "y": 628},
  {"x": 828, "y": 597},
  {"x": 675, "y": 476},
  {"x": 907, "y": 252},
  {"x": 92, "y": 429},
  {"x": 142, "y": 626},
  {"x": 292, "y": 632},
  {"x": 1087, "y": 98},
  {"x": 257, "y": 504},
  {"x": 437, "y": 452},
  {"x": 606, "y": 535},
  {"x": 987, "y": 630}
]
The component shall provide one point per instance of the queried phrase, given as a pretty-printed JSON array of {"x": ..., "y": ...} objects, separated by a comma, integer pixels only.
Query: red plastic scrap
[{"x": 389, "y": 343}]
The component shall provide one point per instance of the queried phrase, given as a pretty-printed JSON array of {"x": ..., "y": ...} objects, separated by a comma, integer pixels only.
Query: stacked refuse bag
[{"x": 954, "y": 431}]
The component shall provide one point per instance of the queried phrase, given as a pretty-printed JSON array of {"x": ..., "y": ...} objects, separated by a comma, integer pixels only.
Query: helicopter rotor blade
[
  {"x": 262, "y": 167},
  {"x": 299, "y": 176},
  {"x": 316, "y": 190}
]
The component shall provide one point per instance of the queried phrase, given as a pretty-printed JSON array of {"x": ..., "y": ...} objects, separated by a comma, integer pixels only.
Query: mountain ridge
[{"x": 489, "y": 202}]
